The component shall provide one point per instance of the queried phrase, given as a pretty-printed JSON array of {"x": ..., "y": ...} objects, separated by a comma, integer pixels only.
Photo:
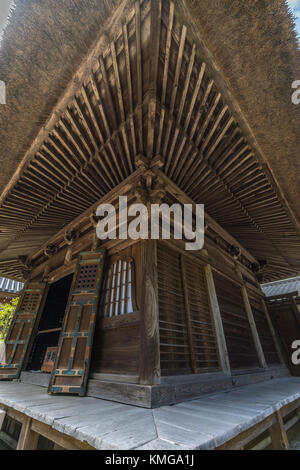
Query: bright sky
[
  {"x": 295, "y": 6},
  {"x": 5, "y": 6},
  {"x": 4, "y": 12}
]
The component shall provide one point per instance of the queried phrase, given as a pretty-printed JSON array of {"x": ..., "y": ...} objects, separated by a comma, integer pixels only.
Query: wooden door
[
  {"x": 21, "y": 329},
  {"x": 71, "y": 368}
]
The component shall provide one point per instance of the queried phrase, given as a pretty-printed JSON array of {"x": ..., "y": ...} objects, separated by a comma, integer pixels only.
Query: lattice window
[
  {"x": 30, "y": 302},
  {"x": 87, "y": 277},
  {"x": 118, "y": 296}
]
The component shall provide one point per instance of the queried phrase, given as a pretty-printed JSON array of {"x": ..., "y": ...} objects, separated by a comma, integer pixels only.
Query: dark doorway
[{"x": 51, "y": 322}]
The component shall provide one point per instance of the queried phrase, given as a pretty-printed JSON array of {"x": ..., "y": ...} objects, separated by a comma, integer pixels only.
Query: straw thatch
[
  {"x": 42, "y": 46},
  {"x": 251, "y": 54},
  {"x": 255, "y": 45}
]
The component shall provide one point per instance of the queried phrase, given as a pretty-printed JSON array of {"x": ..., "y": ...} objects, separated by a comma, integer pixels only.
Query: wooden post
[
  {"x": 150, "y": 354},
  {"x": 257, "y": 343},
  {"x": 214, "y": 305},
  {"x": 28, "y": 439},
  {"x": 278, "y": 434},
  {"x": 188, "y": 318},
  {"x": 295, "y": 309},
  {"x": 273, "y": 333}
]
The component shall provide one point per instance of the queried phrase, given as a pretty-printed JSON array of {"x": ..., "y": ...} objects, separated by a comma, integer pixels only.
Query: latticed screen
[
  {"x": 239, "y": 339},
  {"x": 186, "y": 327},
  {"x": 118, "y": 295},
  {"x": 174, "y": 343},
  {"x": 30, "y": 301},
  {"x": 87, "y": 277}
]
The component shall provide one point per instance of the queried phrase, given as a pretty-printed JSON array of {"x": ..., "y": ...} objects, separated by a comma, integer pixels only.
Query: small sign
[{"x": 49, "y": 359}]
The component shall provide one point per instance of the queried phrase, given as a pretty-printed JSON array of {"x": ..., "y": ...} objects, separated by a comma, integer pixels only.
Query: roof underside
[
  {"x": 224, "y": 125},
  {"x": 9, "y": 285},
  {"x": 282, "y": 287}
]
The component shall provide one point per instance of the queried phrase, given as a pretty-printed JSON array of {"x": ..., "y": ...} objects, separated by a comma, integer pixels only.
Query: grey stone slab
[
  {"x": 188, "y": 420},
  {"x": 91, "y": 418},
  {"x": 108, "y": 423},
  {"x": 139, "y": 431},
  {"x": 160, "y": 444},
  {"x": 202, "y": 423},
  {"x": 213, "y": 413},
  {"x": 179, "y": 436},
  {"x": 222, "y": 407}
]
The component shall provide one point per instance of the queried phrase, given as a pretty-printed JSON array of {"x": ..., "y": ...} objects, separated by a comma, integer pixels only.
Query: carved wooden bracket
[
  {"x": 71, "y": 236},
  {"x": 50, "y": 250},
  {"x": 235, "y": 252}
]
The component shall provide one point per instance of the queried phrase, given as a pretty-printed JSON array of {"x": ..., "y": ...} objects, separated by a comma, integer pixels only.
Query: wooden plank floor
[{"x": 202, "y": 423}]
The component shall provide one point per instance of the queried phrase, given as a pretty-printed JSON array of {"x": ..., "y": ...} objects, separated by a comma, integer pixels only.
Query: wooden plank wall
[
  {"x": 187, "y": 334},
  {"x": 116, "y": 348},
  {"x": 240, "y": 344}
]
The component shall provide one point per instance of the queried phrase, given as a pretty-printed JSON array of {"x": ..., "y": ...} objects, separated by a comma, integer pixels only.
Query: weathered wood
[
  {"x": 24, "y": 323},
  {"x": 28, "y": 438},
  {"x": 273, "y": 332},
  {"x": 257, "y": 342},
  {"x": 150, "y": 357},
  {"x": 214, "y": 305},
  {"x": 278, "y": 434},
  {"x": 247, "y": 436},
  {"x": 66, "y": 442},
  {"x": 70, "y": 372},
  {"x": 188, "y": 318}
]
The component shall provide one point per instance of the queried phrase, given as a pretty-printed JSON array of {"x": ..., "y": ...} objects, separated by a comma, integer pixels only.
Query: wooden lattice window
[
  {"x": 30, "y": 301},
  {"x": 119, "y": 297},
  {"x": 87, "y": 277}
]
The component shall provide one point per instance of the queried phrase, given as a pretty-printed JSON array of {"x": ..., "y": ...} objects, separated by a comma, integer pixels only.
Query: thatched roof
[
  {"x": 42, "y": 46},
  {"x": 252, "y": 52},
  {"x": 255, "y": 46}
]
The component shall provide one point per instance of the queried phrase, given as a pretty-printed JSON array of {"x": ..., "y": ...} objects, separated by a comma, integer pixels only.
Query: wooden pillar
[
  {"x": 150, "y": 354},
  {"x": 295, "y": 309},
  {"x": 273, "y": 333},
  {"x": 188, "y": 318},
  {"x": 28, "y": 439},
  {"x": 214, "y": 305},
  {"x": 257, "y": 343},
  {"x": 278, "y": 434}
]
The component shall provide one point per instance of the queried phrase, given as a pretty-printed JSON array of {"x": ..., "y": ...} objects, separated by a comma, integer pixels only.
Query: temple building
[{"x": 163, "y": 102}]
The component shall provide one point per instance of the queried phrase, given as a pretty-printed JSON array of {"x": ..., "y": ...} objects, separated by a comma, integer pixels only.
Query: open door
[
  {"x": 72, "y": 363},
  {"x": 19, "y": 334}
]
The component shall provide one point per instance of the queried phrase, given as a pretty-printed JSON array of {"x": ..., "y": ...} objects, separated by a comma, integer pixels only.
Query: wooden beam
[
  {"x": 278, "y": 434},
  {"x": 188, "y": 318},
  {"x": 28, "y": 439},
  {"x": 273, "y": 333},
  {"x": 215, "y": 309},
  {"x": 57, "y": 437},
  {"x": 150, "y": 354},
  {"x": 257, "y": 343}
]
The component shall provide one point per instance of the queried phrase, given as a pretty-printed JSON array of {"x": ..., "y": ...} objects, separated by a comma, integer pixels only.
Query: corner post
[{"x": 150, "y": 354}]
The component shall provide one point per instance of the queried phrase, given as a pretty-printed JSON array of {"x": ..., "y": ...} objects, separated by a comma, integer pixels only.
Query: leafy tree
[{"x": 6, "y": 314}]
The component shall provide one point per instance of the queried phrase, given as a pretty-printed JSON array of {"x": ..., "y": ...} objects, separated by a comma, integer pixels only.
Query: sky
[
  {"x": 4, "y": 12},
  {"x": 5, "y": 6},
  {"x": 295, "y": 6}
]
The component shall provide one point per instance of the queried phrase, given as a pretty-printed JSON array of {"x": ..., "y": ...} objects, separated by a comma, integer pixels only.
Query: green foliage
[{"x": 6, "y": 313}]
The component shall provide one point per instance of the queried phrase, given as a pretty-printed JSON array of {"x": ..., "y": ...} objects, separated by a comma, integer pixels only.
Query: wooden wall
[{"x": 116, "y": 347}]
